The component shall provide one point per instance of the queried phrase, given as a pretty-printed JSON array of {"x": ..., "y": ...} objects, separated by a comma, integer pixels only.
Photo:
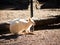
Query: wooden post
[{"x": 31, "y": 8}]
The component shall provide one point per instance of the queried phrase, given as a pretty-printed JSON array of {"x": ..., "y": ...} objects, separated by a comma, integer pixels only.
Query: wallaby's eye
[{"x": 26, "y": 20}]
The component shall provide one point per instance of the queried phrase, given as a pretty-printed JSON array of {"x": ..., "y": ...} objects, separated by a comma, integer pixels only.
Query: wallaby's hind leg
[
  {"x": 21, "y": 32},
  {"x": 28, "y": 31}
]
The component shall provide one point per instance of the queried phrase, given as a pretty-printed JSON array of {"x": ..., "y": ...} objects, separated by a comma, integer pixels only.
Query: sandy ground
[{"x": 40, "y": 37}]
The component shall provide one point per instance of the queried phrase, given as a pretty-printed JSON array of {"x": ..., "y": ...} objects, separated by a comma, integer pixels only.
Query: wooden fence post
[{"x": 31, "y": 8}]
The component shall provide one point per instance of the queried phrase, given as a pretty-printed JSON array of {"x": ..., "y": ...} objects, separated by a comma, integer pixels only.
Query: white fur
[
  {"x": 19, "y": 26},
  {"x": 17, "y": 20},
  {"x": 23, "y": 20}
]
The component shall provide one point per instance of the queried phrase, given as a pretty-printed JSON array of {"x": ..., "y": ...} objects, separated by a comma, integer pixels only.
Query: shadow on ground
[
  {"x": 14, "y": 4},
  {"x": 9, "y": 37},
  {"x": 51, "y": 23},
  {"x": 50, "y": 4},
  {"x": 4, "y": 28}
]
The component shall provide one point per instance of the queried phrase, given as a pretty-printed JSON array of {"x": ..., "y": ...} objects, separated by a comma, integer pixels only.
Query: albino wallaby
[{"x": 17, "y": 27}]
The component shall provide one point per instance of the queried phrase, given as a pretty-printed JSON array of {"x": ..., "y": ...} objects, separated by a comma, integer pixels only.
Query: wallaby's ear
[{"x": 29, "y": 18}]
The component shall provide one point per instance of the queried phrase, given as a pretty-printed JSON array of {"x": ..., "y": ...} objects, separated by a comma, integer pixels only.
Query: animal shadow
[
  {"x": 9, "y": 37},
  {"x": 51, "y": 23}
]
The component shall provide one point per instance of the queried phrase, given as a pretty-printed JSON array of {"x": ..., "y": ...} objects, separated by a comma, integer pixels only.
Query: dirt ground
[{"x": 40, "y": 37}]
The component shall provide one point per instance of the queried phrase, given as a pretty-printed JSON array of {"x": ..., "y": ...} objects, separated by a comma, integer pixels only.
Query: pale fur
[
  {"x": 37, "y": 4},
  {"x": 17, "y": 27}
]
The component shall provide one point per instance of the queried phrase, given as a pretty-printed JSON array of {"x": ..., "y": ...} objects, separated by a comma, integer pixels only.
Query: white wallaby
[{"x": 17, "y": 27}]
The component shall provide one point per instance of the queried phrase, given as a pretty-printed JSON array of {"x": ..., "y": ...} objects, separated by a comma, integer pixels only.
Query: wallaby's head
[{"x": 31, "y": 21}]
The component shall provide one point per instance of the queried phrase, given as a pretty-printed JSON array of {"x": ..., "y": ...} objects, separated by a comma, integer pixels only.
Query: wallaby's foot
[
  {"x": 30, "y": 33},
  {"x": 25, "y": 33},
  {"x": 21, "y": 33}
]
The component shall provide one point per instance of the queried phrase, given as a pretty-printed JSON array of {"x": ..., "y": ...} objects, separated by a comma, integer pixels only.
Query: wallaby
[
  {"x": 17, "y": 27},
  {"x": 37, "y": 4}
]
